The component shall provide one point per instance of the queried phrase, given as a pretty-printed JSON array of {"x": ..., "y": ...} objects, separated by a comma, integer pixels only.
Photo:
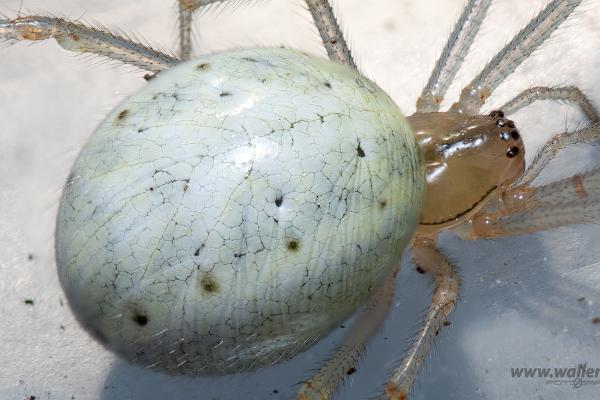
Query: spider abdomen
[{"x": 235, "y": 209}]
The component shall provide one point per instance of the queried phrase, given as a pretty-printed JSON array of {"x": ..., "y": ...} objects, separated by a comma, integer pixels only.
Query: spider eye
[
  {"x": 515, "y": 135},
  {"x": 505, "y": 135},
  {"x": 512, "y": 152}
]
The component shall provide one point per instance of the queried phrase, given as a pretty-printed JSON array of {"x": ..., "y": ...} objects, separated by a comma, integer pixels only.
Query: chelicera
[{"x": 456, "y": 170}]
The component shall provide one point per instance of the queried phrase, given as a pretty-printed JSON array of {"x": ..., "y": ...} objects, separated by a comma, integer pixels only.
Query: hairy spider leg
[
  {"x": 83, "y": 38},
  {"x": 453, "y": 55},
  {"x": 504, "y": 63}
]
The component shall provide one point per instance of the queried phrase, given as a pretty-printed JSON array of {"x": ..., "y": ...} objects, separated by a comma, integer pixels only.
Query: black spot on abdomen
[
  {"x": 360, "y": 151},
  {"x": 208, "y": 283},
  {"x": 140, "y": 319},
  {"x": 122, "y": 115}
]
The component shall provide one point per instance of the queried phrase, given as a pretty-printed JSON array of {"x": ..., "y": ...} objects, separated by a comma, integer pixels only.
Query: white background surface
[{"x": 519, "y": 304}]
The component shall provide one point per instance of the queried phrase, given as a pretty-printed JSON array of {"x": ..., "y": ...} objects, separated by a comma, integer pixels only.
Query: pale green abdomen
[{"x": 236, "y": 209}]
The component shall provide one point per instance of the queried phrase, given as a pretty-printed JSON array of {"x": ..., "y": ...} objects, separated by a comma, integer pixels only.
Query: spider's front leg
[
  {"x": 567, "y": 94},
  {"x": 445, "y": 295},
  {"x": 589, "y": 135},
  {"x": 536, "y": 32},
  {"x": 453, "y": 55},
  {"x": 522, "y": 208},
  {"x": 528, "y": 209},
  {"x": 82, "y": 38}
]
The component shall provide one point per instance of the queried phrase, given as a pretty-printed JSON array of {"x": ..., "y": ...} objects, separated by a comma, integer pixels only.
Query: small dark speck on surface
[
  {"x": 122, "y": 115},
  {"x": 328, "y": 85},
  {"x": 275, "y": 391},
  {"x": 30, "y": 256},
  {"x": 29, "y": 302},
  {"x": 596, "y": 320},
  {"x": 224, "y": 94},
  {"x": 278, "y": 201},
  {"x": 351, "y": 371},
  {"x": 420, "y": 270},
  {"x": 580, "y": 299},
  {"x": 202, "y": 67},
  {"x": 209, "y": 284},
  {"x": 292, "y": 245},
  {"x": 30, "y": 398},
  {"x": 140, "y": 319},
  {"x": 360, "y": 151}
]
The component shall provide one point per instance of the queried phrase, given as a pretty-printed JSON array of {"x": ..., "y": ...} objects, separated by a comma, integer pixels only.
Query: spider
[{"x": 422, "y": 243}]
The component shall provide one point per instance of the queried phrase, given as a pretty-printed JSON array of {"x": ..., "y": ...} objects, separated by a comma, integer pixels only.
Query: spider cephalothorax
[{"x": 467, "y": 158}]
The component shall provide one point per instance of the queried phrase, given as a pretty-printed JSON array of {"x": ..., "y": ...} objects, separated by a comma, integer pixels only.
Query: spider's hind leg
[
  {"x": 344, "y": 360},
  {"x": 445, "y": 295},
  {"x": 330, "y": 31},
  {"x": 323, "y": 17},
  {"x": 186, "y": 12},
  {"x": 81, "y": 38}
]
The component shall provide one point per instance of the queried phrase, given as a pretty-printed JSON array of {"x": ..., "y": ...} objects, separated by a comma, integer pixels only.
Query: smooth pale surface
[
  {"x": 234, "y": 210},
  {"x": 519, "y": 305}
]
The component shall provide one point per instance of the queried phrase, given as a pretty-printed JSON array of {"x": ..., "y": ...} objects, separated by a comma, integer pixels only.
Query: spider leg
[
  {"x": 589, "y": 135},
  {"x": 187, "y": 8},
  {"x": 567, "y": 94},
  {"x": 445, "y": 296},
  {"x": 453, "y": 55},
  {"x": 527, "y": 209},
  {"x": 186, "y": 11},
  {"x": 323, "y": 16},
  {"x": 344, "y": 360},
  {"x": 331, "y": 34},
  {"x": 82, "y": 38},
  {"x": 474, "y": 95}
]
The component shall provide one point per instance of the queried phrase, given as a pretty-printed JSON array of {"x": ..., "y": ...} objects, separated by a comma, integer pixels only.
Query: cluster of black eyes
[{"x": 510, "y": 133}]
